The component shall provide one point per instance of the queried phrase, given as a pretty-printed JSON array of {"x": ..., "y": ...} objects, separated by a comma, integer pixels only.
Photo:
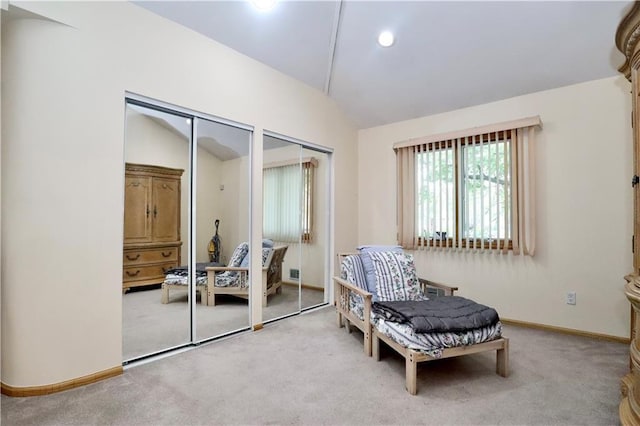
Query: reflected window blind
[{"x": 288, "y": 192}]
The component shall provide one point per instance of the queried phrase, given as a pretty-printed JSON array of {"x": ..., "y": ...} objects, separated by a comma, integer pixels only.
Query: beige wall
[
  {"x": 63, "y": 165},
  {"x": 209, "y": 202},
  {"x": 234, "y": 220},
  {"x": 584, "y": 208}
]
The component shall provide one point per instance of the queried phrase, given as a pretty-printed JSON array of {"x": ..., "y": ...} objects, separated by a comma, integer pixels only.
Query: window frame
[
  {"x": 515, "y": 232},
  {"x": 458, "y": 188}
]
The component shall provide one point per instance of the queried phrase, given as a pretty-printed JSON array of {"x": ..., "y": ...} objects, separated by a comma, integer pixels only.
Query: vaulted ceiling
[{"x": 447, "y": 55}]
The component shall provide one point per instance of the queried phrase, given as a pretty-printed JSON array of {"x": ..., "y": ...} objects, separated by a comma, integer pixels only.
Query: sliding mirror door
[
  {"x": 315, "y": 220},
  {"x": 296, "y": 181},
  {"x": 186, "y": 228},
  {"x": 222, "y": 228},
  {"x": 156, "y": 234},
  {"x": 282, "y": 226}
]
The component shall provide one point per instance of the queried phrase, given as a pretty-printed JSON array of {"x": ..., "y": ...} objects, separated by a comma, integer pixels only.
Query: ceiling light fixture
[
  {"x": 386, "y": 39},
  {"x": 264, "y": 5}
]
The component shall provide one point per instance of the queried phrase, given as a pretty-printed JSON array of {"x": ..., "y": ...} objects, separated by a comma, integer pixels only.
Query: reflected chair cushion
[
  {"x": 227, "y": 278},
  {"x": 265, "y": 255},
  {"x": 238, "y": 254}
]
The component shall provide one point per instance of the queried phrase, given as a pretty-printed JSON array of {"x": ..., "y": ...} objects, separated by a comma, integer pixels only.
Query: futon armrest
[
  {"x": 448, "y": 290},
  {"x": 351, "y": 287},
  {"x": 226, "y": 268},
  {"x": 342, "y": 302}
]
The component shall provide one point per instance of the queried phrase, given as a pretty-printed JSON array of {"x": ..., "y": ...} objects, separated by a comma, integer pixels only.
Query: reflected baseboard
[{"x": 303, "y": 285}]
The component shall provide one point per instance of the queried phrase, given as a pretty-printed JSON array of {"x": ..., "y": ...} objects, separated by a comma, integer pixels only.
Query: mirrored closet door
[
  {"x": 222, "y": 224},
  {"x": 315, "y": 222},
  {"x": 156, "y": 232},
  {"x": 186, "y": 228},
  {"x": 295, "y": 223}
]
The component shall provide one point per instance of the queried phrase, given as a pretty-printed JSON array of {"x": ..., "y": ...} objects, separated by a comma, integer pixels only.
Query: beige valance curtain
[
  {"x": 406, "y": 197},
  {"x": 516, "y": 232}
]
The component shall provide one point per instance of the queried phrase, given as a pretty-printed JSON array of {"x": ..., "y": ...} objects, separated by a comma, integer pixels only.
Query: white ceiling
[{"x": 447, "y": 55}]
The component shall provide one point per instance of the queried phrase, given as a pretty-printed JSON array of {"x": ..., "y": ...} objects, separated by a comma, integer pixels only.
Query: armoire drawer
[
  {"x": 142, "y": 256},
  {"x": 146, "y": 272}
]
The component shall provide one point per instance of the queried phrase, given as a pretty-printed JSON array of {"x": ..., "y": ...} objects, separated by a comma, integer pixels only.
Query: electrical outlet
[{"x": 571, "y": 298}]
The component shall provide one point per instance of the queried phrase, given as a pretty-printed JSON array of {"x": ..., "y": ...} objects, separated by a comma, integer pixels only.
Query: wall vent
[{"x": 294, "y": 274}]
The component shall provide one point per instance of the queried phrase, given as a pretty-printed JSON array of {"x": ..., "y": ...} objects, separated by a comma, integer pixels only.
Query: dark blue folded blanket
[{"x": 438, "y": 315}]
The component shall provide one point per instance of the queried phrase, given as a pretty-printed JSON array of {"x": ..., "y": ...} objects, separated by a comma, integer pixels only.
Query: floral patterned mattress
[
  {"x": 431, "y": 344},
  {"x": 223, "y": 279},
  {"x": 181, "y": 280}
]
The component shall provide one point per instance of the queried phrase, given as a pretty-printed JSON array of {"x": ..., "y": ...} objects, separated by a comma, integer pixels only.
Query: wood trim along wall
[
  {"x": 303, "y": 285},
  {"x": 491, "y": 128},
  {"x": 59, "y": 387},
  {"x": 564, "y": 330}
]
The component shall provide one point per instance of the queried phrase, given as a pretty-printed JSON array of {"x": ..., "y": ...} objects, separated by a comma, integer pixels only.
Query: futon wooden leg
[
  {"x": 502, "y": 359},
  {"x": 375, "y": 346},
  {"x": 340, "y": 323},
  {"x": 347, "y": 325},
  {"x": 165, "y": 294},
  {"x": 411, "y": 372},
  {"x": 204, "y": 296},
  {"x": 211, "y": 297},
  {"x": 367, "y": 341}
]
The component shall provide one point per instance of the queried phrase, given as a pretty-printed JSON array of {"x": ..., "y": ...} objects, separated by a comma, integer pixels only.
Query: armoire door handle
[{"x": 155, "y": 212}]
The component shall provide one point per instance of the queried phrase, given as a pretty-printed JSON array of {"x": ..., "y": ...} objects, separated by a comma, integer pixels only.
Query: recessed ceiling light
[
  {"x": 264, "y": 5},
  {"x": 386, "y": 38}
]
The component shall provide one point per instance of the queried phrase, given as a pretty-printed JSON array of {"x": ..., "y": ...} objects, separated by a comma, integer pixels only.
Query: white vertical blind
[{"x": 282, "y": 201}]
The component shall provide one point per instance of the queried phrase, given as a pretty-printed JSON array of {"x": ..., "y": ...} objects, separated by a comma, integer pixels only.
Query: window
[
  {"x": 469, "y": 190},
  {"x": 288, "y": 201}
]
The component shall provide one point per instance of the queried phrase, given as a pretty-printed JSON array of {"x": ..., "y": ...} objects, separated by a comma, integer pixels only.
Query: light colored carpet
[
  {"x": 305, "y": 370},
  {"x": 150, "y": 326}
]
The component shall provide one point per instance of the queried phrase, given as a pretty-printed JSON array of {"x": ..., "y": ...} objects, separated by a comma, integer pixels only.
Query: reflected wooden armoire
[
  {"x": 628, "y": 42},
  {"x": 151, "y": 224}
]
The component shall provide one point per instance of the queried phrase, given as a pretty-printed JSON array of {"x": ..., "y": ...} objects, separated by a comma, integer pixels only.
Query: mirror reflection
[
  {"x": 222, "y": 224},
  {"x": 313, "y": 254},
  {"x": 186, "y": 250},
  {"x": 164, "y": 207},
  {"x": 156, "y": 236},
  {"x": 290, "y": 220}
]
